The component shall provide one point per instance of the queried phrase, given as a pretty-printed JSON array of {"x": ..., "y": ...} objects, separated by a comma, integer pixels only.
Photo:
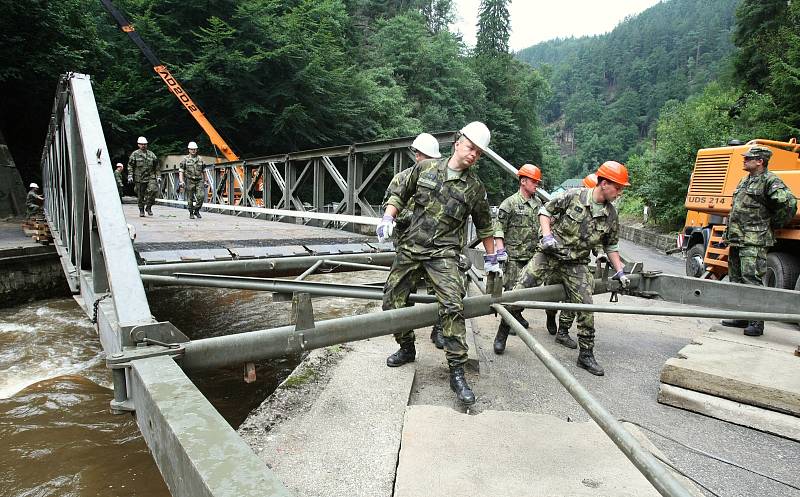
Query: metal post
[
  {"x": 655, "y": 472},
  {"x": 309, "y": 271}
]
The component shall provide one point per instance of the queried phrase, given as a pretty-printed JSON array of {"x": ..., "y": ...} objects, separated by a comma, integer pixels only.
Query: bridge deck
[{"x": 170, "y": 236}]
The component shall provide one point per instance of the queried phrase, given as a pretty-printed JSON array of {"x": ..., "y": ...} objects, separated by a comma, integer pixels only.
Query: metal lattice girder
[{"x": 197, "y": 451}]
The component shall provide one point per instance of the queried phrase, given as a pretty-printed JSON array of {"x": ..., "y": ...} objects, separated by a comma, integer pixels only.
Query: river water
[{"x": 57, "y": 435}]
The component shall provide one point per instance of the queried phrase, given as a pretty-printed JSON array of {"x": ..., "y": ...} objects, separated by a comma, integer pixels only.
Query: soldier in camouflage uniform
[
  {"x": 445, "y": 193},
  {"x": 191, "y": 171},
  {"x": 761, "y": 203},
  {"x": 33, "y": 201},
  {"x": 515, "y": 238},
  {"x": 572, "y": 225},
  {"x": 118, "y": 177},
  {"x": 424, "y": 147},
  {"x": 143, "y": 172}
]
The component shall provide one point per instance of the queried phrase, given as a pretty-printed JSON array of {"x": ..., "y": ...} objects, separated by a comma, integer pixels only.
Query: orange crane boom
[{"x": 172, "y": 84}]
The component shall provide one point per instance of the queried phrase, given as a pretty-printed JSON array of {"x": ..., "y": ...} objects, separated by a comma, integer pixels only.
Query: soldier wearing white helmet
[
  {"x": 143, "y": 172},
  {"x": 446, "y": 192},
  {"x": 33, "y": 202},
  {"x": 190, "y": 176},
  {"x": 118, "y": 177}
]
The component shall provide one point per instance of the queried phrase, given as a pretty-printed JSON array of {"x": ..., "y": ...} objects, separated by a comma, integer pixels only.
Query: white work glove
[
  {"x": 491, "y": 264},
  {"x": 502, "y": 255},
  {"x": 130, "y": 178},
  {"x": 385, "y": 228},
  {"x": 549, "y": 243},
  {"x": 623, "y": 279}
]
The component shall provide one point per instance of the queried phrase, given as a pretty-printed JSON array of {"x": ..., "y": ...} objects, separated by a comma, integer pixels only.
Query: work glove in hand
[
  {"x": 130, "y": 178},
  {"x": 502, "y": 255},
  {"x": 491, "y": 265},
  {"x": 549, "y": 243},
  {"x": 385, "y": 228},
  {"x": 623, "y": 279}
]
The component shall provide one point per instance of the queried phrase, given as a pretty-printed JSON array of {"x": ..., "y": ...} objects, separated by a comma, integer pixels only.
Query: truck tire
[
  {"x": 695, "y": 267},
  {"x": 782, "y": 270}
]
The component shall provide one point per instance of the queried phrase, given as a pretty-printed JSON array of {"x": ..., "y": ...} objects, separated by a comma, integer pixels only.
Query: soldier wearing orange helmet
[
  {"x": 515, "y": 238},
  {"x": 571, "y": 226}
]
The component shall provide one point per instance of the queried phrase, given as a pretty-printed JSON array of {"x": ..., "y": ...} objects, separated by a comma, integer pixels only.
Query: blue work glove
[
  {"x": 623, "y": 279},
  {"x": 385, "y": 228},
  {"x": 502, "y": 255},
  {"x": 491, "y": 264},
  {"x": 549, "y": 243}
]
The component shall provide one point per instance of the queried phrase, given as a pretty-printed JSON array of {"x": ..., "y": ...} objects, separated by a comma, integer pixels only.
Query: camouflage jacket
[
  {"x": 403, "y": 219},
  {"x": 760, "y": 204},
  {"x": 33, "y": 199},
  {"x": 192, "y": 167},
  {"x": 518, "y": 225},
  {"x": 118, "y": 177},
  {"x": 580, "y": 225},
  {"x": 441, "y": 209},
  {"x": 143, "y": 166}
]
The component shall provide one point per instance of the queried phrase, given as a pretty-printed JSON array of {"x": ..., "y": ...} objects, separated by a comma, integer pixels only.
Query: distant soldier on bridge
[
  {"x": 572, "y": 225},
  {"x": 191, "y": 171},
  {"x": 761, "y": 203},
  {"x": 143, "y": 173},
  {"x": 118, "y": 177},
  {"x": 515, "y": 238},
  {"x": 33, "y": 202},
  {"x": 445, "y": 192}
]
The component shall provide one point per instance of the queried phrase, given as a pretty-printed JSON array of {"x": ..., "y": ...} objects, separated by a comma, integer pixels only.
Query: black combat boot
[
  {"x": 407, "y": 353},
  {"x": 500, "y": 338},
  {"x": 197, "y": 214},
  {"x": 564, "y": 339},
  {"x": 754, "y": 329},
  {"x": 459, "y": 385},
  {"x": 191, "y": 214},
  {"x": 734, "y": 323},
  {"x": 141, "y": 211},
  {"x": 552, "y": 327},
  {"x": 586, "y": 361},
  {"x": 149, "y": 210},
  {"x": 521, "y": 320},
  {"x": 436, "y": 336}
]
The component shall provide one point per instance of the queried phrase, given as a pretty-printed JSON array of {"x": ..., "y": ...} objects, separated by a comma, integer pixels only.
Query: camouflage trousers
[
  {"x": 747, "y": 264},
  {"x": 578, "y": 285},
  {"x": 195, "y": 194},
  {"x": 511, "y": 271},
  {"x": 447, "y": 282},
  {"x": 146, "y": 192}
]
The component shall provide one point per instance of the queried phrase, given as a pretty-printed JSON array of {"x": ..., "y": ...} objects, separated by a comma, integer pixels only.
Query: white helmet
[
  {"x": 427, "y": 144},
  {"x": 33, "y": 185},
  {"x": 142, "y": 140},
  {"x": 119, "y": 164},
  {"x": 192, "y": 145},
  {"x": 477, "y": 133}
]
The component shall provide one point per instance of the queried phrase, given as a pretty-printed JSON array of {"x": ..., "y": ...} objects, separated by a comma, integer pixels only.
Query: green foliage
[{"x": 494, "y": 27}]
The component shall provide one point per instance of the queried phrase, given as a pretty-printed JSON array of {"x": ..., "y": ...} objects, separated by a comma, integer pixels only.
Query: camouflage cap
[{"x": 758, "y": 152}]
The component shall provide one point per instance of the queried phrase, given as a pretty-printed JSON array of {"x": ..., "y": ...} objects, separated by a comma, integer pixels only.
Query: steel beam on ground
[
  {"x": 274, "y": 285},
  {"x": 196, "y": 450},
  {"x": 652, "y": 469},
  {"x": 274, "y": 265},
  {"x": 355, "y": 265},
  {"x": 279, "y": 342}
]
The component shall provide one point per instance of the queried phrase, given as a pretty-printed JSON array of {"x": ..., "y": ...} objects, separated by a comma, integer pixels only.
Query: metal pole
[
  {"x": 278, "y": 286},
  {"x": 655, "y": 472},
  {"x": 356, "y": 265},
  {"x": 280, "y": 342},
  {"x": 309, "y": 271},
  {"x": 660, "y": 311},
  {"x": 274, "y": 265}
]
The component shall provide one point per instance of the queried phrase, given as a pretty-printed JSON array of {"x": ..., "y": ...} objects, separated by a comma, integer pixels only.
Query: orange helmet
[
  {"x": 613, "y": 171},
  {"x": 590, "y": 181},
  {"x": 530, "y": 171}
]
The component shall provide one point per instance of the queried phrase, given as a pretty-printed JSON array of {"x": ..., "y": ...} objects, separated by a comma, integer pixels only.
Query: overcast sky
[{"x": 533, "y": 21}]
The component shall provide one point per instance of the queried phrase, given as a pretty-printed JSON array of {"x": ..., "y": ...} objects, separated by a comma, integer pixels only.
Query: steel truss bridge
[{"x": 196, "y": 450}]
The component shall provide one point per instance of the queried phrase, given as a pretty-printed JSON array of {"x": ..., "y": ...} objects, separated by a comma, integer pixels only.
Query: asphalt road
[{"x": 632, "y": 350}]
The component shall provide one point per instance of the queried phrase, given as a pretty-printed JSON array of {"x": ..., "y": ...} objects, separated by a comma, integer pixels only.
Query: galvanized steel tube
[{"x": 655, "y": 472}]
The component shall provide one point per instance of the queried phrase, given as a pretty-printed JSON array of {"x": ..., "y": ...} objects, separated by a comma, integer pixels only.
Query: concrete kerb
[{"x": 642, "y": 236}]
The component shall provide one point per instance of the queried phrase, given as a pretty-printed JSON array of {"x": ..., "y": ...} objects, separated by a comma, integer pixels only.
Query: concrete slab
[
  {"x": 758, "y": 371},
  {"x": 494, "y": 453},
  {"x": 784, "y": 425},
  {"x": 346, "y": 443}
]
